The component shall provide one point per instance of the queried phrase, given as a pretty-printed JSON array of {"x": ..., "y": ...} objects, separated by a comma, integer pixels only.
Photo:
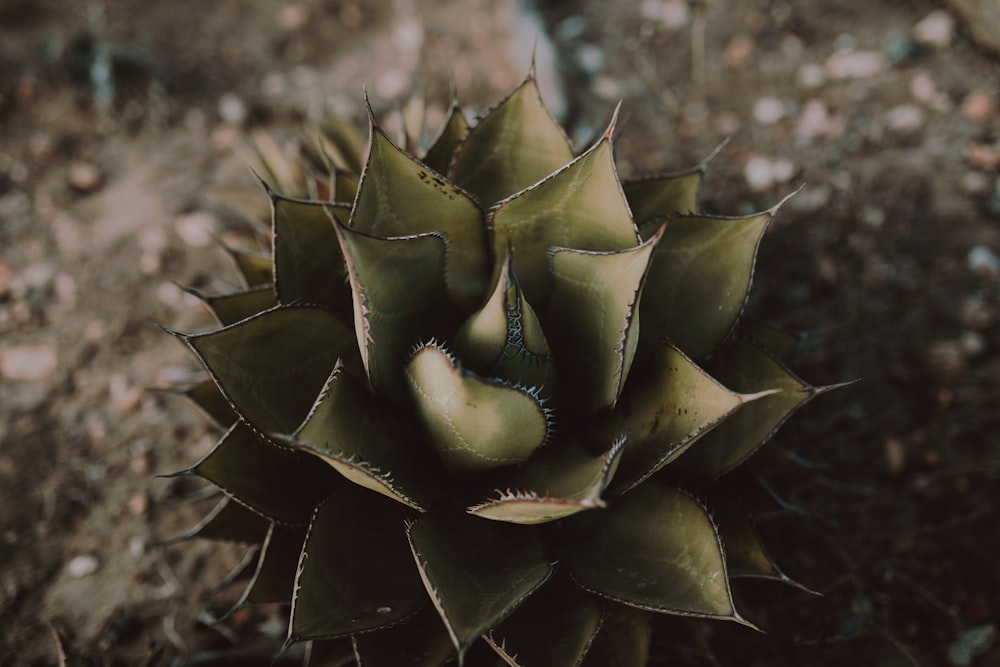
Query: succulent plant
[{"x": 488, "y": 399}]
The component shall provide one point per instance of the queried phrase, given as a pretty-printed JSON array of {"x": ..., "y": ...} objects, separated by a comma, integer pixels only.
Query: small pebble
[
  {"x": 972, "y": 343},
  {"x": 762, "y": 172},
  {"x": 895, "y": 455},
  {"x": 408, "y": 35},
  {"x": 82, "y": 566},
  {"x": 854, "y": 64},
  {"x": 124, "y": 396},
  {"x": 672, "y": 14},
  {"x": 813, "y": 121},
  {"x": 946, "y": 358},
  {"x": 138, "y": 504},
  {"x": 84, "y": 177},
  {"x": 872, "y": 216},
  {"x": 983, "y": 261},
  {"x": 924, "y": 90},
  {"x": 292, "y": 17},
  {"x": 811, "y": 198},
  {"x": 983, "y": 156},
  {"x": 232, "y": 109},
  {"x": 936, "y": 30},
  {"x": 969, "y": 644},
  {"x": 738, "y": 52},
  {"x": 979, "y": 105},
  {"x": 591, "y": 59},
  {"x": 31, "y": 361},
  {"x": 196, "y": 229},
  {"x": 905, "y": 118},
  {"x": 768, "y": 110},
  {"x": 976, "y": 313},
  {"x": 811, "y": 76},
  {"x": 900, "y": 47},
  {"x": 136, "y": 546}
]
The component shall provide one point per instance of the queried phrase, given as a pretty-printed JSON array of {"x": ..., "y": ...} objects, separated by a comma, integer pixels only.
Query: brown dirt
[{"x": 886, "y": 260}]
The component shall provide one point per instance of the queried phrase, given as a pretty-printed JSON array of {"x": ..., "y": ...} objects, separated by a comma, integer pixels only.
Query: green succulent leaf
[
  {"x": 653, "y": 199},
  {"x": 345, "y": 189},
  {"x": 654, "y": 549},
  {"x": 341, "y": 141},
  {"x": 557, "y": 482},
  {"x": 330, "y": 653},
  {"x": 399, "y": 298},
  {"x": 367, "y": 442},
  {"x": 308, "y": 264},
  {"x": 667, "y": 406},
  {"x": 581, "y": 206},
  {"x": 419, "y": 641},
  {"x": 476, "y": 572},
  {"x": 504, "y": 338},
  {"x": 278, "y": 483},
  {"x": 623, "y": 640},
  {"x": 401, "y": 196},
  {"x": 515, "y": 145},
  {"x": 768, "y": 337},
  {"x": 745, "y": 367},
  {"x": 255, "y": 268},
  {"x": 271, "y": 366},
  {"x": 474, "y": 422},
  {"x": 273, "y": 580},
  {"x": 207, "y": 397},
  {"x": 746, "y": 556},
  {"x": 441, "y": 152},
  {"x": 699, "y": 280},
  {"x": 593, "y": 320},
  {"x": 553, "y": 628},
  {"x": 229, "y": 521},
  {"x": 235, "y": 306},
  {"x": 355, "y": 574}
]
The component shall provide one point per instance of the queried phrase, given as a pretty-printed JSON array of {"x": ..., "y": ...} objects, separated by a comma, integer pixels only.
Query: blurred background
[{"x": 124, "y": 133}]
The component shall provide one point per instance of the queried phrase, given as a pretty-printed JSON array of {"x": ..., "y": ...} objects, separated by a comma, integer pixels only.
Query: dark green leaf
[
  {"x": 655, "y": 549},
  {"x": 399, "y": 196},
  {"x": 515, "y": 145},
  {"x": 356, "y": 573},
  {"x": 368, "y": 443},
  {"x": 441, "y": 152},
  {"x": 699, "y": 281},
  {"x": 745, "y": 367},
  {"x": 667, "y": 406},
  {"x": 477, "y": 572},
  {"x": 229, "y": 522},
  {"x": 272, "y": 366},
  {"x": 235, "y": 306},
  {"x": 330, "y": 653},
  {"x": 553, "y": 628},
  {"x": 280, "y": 484},
  {"x": 207, "y": 397},
  {"x": 400, "y": 299},
  {"x": 420, "y": 641},
  {"x": 580, "y": 207},
  {"x": 592, "y": 321},
  {"x": 308, "y": 262},
  {"x": 256, "y": 268},
  {"x": 623, "y": 640},
  {"x": 274, "y": 579}
]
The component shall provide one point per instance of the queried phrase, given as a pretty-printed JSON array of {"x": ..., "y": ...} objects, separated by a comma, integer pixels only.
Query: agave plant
[{"x": 480, "y": 406}]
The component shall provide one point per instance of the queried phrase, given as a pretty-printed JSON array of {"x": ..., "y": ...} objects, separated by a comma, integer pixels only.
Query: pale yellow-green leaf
[
  {"x": 504, "y": 338},
  {"x": 471, "y": 421},
  {"x": 593, "y": 320},
  {"x": 400, "y": 196},
  {"x": 515, "y": 145},
  {"x": 558, "y": 481},
  {"x": 580, "y": 206},
  {"x": 653, "y": 199}
]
